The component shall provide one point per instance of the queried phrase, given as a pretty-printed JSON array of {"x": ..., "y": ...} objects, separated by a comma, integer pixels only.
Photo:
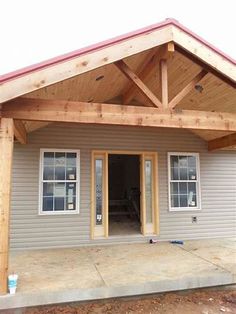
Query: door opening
[{"x": 124, "y": 194}]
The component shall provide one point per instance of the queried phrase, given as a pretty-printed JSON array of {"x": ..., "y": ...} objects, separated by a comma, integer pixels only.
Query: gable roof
[{"x": 40, "y": 75}]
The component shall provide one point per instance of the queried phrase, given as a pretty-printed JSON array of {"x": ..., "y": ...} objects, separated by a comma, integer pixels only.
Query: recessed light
[
  {"x": 99, "y": 77},
  {"x": 199, "y": 88}
]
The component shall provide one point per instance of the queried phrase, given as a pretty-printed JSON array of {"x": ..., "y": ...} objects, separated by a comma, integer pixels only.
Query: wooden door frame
[{"x": 142, "y": 155}]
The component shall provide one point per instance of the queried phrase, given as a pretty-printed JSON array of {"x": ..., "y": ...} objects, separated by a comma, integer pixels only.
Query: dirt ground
[{"x": 204, "y": 301}]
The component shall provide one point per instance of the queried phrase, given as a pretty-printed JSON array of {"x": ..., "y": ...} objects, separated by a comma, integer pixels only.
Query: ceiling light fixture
[
  {"x": 99, "y": 77},
  {"x": 199, "y": 88}
]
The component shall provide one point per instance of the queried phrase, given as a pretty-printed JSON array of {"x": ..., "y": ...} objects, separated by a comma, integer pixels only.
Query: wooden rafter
[
  {"x": 20, "y": 131},
  {"x": 209, "y": 68},
  {"x": 82, "y": 112},
  {"x": 176, "y": 100},
  {"x": 222, "y": 142},
  {"x": 83, "y": 63},
  {"x": 164, "y": 52},
  {"x": 65, "y": 68},
  {"x": 31, "y": 126},
  {"x": 142, "y": 73},
  {"x": 165, "y": 104},
  {"x": 125, "y": 69}
]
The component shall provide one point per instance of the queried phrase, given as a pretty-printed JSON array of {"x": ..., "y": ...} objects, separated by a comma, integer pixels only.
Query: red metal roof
[{"x": 113, "y": 41}]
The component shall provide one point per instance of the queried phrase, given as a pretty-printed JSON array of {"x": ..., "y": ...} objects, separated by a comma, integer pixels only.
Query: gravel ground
[{"x": 204, "y": 301}]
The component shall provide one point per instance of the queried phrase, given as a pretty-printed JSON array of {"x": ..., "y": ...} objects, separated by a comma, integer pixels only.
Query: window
[
  {"x": 59, "y": 179},
  {"x": 99, "y": 190},
  {"x": 184, "y": 187}
]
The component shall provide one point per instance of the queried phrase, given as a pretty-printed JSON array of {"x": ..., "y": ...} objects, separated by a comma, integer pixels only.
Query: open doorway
[
  {"x": 118, "y": 207},
  {"x": 124, "y": 194}
]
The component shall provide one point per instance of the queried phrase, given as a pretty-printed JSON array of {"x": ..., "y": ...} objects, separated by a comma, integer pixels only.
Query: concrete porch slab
[{"x": 86, "y": 273}]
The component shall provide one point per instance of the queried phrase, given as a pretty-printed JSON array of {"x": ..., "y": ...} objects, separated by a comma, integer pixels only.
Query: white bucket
[{"x": 12, "y": 283}]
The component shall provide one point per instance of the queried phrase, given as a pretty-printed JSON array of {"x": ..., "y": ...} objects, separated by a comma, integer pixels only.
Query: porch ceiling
[
  {"x": 108, "y": 84},
  {"x": 164, "y": 65}
]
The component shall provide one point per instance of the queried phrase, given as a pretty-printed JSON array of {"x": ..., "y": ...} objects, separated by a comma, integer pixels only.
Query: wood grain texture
[
  {"x": 125, "y": 69},
  {"x": 20, "y": 131},
  {"x": 205, "y": 54},
  {"x": 143, "y": 72},
  {"x": 222, "y": 142},
  {"x": 216, "y": 95},
  {"x": 83, "y": 63},
  {"x": 6, "y": 152},
  {"x": 81, "y": 112},
  {"x": 164, "y": 83},
  {"x": 176, "y": 100}
]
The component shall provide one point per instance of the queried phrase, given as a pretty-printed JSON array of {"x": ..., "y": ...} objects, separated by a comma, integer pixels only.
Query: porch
[
  {"x": 95, "y": 272},
  {"x": 159, "y": 78}
]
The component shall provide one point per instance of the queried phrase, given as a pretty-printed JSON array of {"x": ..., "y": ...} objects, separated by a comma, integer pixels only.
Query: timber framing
[
  {"x": 176, "y": 100},
  {"x": 6, "y": 149},
  {"x": 208, "y": 67},
  {"x": 164, "y": 83},
  {"x": 84, "y": 60},
  {"x": 145, "y": 50},
  {"x": 20, "y": 131},
  {"x": 222, "y": 142},
  {"x": 99, "y": 113},
  {"x": 200, "y": 51},
  {"x": 139, "y": 84},
  {"x": 125, "y": 69},
  {"x": 163, "y": 52},
  {"x": 142, "y": 73}
]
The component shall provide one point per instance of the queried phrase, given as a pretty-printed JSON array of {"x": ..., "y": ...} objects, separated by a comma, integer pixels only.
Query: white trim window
[
  {"x": 184, "y": 181},
  {"x": 59, "y": 181}
]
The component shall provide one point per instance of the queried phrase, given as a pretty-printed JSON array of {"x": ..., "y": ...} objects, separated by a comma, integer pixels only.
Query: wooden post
[
  {"x": 164, "y": 83},
  {"x": 6, "y": 152}
]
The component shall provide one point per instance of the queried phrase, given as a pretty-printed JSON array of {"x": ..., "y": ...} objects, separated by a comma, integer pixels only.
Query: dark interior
[{"x": 124, "y": 194}]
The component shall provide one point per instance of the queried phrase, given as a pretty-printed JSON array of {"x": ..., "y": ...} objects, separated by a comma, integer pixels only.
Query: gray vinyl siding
[{"x": 218, "y": 185}]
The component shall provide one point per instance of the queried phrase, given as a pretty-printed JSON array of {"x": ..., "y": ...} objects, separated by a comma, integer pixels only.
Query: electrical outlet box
[{"x": 194, "y": 219}]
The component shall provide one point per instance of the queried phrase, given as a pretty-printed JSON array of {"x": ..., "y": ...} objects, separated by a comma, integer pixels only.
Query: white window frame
[
  {"x": 77, "y": 181},
  {"x": 198, "y": 185}
]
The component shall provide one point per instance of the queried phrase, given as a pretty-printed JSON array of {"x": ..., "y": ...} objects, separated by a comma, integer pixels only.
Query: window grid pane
[
  {"x": 183, "y": 181},
  {"x": 59, "y": 181}
]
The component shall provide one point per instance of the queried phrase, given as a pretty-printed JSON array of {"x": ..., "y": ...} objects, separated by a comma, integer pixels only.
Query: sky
[{"x": 32, "y": 31}]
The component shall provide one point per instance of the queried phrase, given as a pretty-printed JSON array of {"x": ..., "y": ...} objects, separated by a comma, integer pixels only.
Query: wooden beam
[
  {"x": 125, "y": 69},
  {"x": 31, "y": 126},
  {"x": 169, "y": 48},
  {"x": 82, "y": 112},
  {"x": 176, "y": 100},
  {"x": 6, "y": 152},
  {"x": 165, "y": 51},
  {"x": 220, "y": 65},
  {"x": 164, "y": 82},
  {"x": 20, "y": 131},
  {"x": 86, "y": 61},
  {"x": 83, "y": 62},
  {"x": 222, "y": 142},
  {"x": 142, "y": 73},
  {"x": 207, "y": 67}
]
